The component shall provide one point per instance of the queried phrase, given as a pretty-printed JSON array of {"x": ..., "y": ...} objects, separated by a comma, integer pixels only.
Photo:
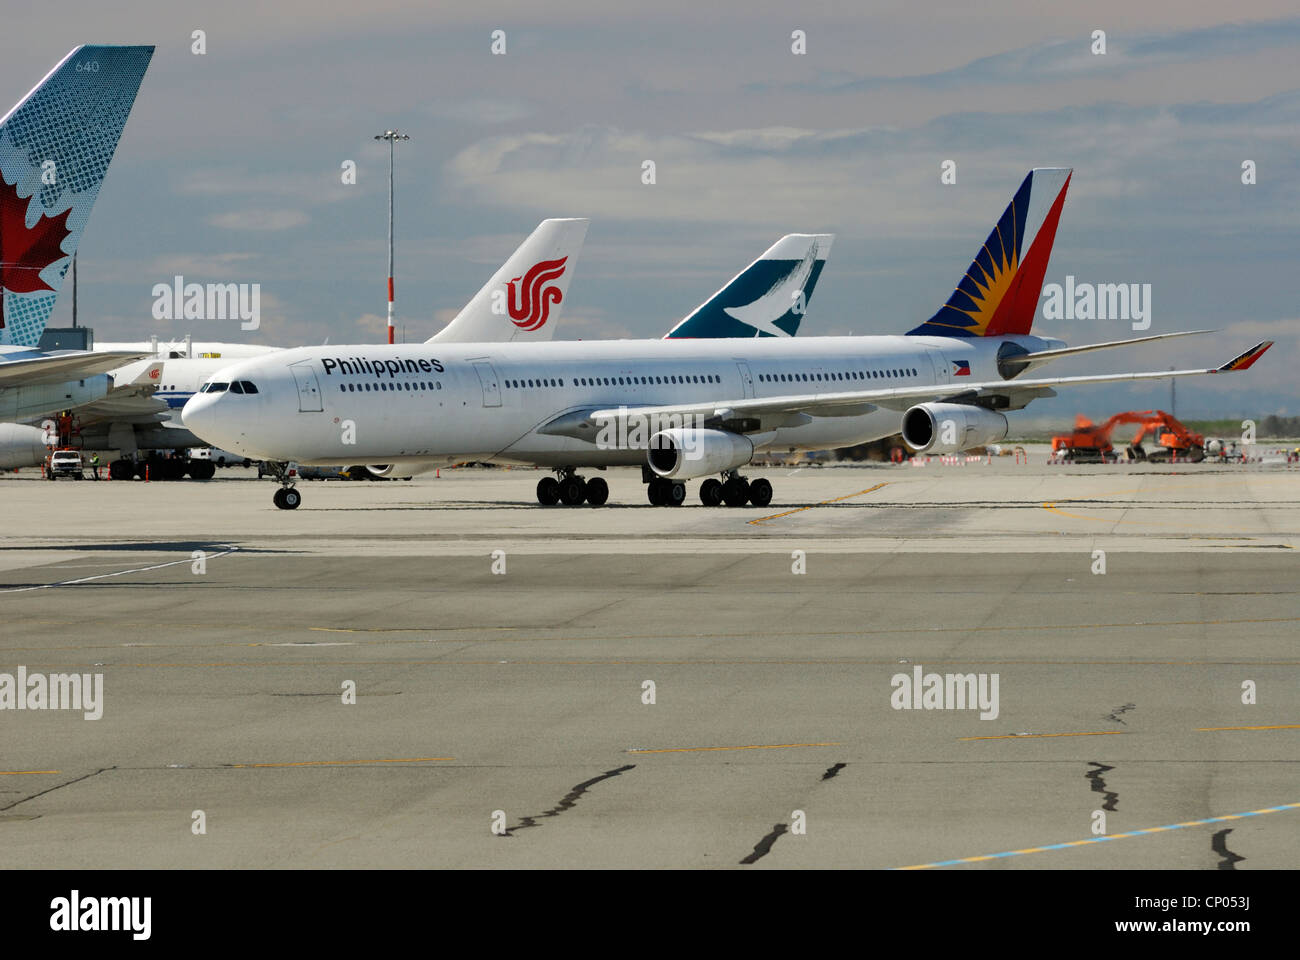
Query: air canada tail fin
[
  {"x": 522, "y": 300},
  {"x": 768, "y": 298},
  {"x": 55, "y": 148},
  {"x": 999, "y": 293}
]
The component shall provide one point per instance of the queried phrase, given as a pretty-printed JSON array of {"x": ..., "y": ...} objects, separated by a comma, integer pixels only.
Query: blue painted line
[{"x": 1043, "y": 848}]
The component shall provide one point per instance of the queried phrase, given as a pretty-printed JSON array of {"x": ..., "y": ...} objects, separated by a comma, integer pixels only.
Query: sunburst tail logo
[
  {"x": 999, "y": 292},
  {"x": 530, "y": 302}
]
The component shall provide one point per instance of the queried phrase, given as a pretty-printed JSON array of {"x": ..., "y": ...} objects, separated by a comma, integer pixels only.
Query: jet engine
[
  {"x": 20, "y": 446},
  {"x": 685, "y": 452},
  {"x": 951, "y": 427}
]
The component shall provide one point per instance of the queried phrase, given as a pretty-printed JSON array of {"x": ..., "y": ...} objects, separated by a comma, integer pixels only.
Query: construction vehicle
[{"x": 1091, "y": 442}]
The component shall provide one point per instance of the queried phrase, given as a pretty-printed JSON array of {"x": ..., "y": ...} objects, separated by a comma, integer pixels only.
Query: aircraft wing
[
  {"x": 27, "y": 370},
  {"x": 132, "y": 398},
  {"x": 774, "y": 412}
]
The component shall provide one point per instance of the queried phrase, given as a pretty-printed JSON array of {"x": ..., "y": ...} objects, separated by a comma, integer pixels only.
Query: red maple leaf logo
[{"x": 24, "y": 252}]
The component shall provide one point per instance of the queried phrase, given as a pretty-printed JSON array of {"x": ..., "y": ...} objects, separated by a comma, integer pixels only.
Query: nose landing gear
[{"x": 286, "y": 498}]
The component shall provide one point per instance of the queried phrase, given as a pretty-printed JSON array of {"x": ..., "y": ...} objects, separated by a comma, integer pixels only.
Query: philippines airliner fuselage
[
  {"x": 681, "y": 408},
  {"x": 453, "y": 402}
]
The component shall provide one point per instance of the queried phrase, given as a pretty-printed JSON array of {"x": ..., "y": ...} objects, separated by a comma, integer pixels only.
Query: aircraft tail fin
[
  {"x": 55, "y": 148},
  {"x": 523, "y": 299},
  {"x": 999, "y": 292},
  {"x": 768, "y": 298}
]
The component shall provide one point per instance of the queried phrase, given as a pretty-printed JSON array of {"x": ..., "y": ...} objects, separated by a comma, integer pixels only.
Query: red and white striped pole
[{"x": 392, "y": 136}]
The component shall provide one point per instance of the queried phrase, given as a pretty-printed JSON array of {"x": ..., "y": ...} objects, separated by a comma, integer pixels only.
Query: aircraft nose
[{"x": 201, "y": 417}]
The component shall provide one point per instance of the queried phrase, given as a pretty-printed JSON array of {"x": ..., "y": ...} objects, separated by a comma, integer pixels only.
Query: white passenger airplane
[
  {"x": 148, "y": 419},
  {"x": 681, "y": 409}
]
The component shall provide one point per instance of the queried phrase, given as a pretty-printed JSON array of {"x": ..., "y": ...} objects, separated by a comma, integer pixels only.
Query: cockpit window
[
  {"x": 236, "y": 387},
  {"x": 217, "y": 387},
  {"x": 248, "y": 386}
]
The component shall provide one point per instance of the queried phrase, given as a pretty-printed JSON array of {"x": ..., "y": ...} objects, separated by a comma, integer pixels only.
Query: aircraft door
[
  {"x": 942, "y": 371},
  {"x": 746, "y": 378},
  {"x": 487, "y": 378},
  {"x": 309, "y": 398}
]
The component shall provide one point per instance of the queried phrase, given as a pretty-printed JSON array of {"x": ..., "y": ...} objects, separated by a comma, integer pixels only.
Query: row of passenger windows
[
  {"x": 846, "y": 375},
  {"x": 612, "y": 381},
  {"x": 392, "y": 387},
  {"x": 541, "y": 382},
  {"x": 238, "y": 386}
]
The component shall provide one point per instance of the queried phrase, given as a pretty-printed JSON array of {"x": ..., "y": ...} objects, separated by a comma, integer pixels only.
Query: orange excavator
[{"x": 1090, "y": 442}]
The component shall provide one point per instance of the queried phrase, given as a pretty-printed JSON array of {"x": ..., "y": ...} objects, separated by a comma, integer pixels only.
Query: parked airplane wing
[
  {"x": 1017, "y": 393},
  {"x": 59, "y": 367}
]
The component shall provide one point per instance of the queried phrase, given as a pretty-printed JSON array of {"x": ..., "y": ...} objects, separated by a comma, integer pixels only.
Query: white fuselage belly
[{"x": 371, "y": 414}]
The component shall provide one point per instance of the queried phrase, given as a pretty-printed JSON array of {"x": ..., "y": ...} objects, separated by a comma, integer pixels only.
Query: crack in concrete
[
  {"x": 1099, "y": 785},
  {"x": 764, "y": 846},
  {"x": 57, "y": 786},
  {"x": 1114, "y": 714},
  {"x": 1219, "y": 844},
  {"x": 568, "y": 800}
]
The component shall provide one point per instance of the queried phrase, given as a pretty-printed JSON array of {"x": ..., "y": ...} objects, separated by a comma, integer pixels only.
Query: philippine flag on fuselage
[{"x": 960, "y": 368}]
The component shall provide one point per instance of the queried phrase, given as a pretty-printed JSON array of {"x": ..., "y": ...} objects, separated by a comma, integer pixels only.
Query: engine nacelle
[
  {"x": 951, "y": 427},
  {"x": 21, "y": 446},
  {"x": 400, "y": 471},
  {"x": 684, "y": 452}
]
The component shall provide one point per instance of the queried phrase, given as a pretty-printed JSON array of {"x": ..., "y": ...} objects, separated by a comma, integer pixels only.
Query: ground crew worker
[{"x": 94, "y": 464}]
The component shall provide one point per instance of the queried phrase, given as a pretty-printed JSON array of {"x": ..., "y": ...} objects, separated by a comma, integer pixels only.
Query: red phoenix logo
[
  {"x": 25, "y": 252},
  {"x": 531, "y": 305}
]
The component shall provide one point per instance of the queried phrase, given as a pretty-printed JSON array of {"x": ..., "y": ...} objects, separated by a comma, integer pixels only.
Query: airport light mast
[{"x": 392, "y": 136}]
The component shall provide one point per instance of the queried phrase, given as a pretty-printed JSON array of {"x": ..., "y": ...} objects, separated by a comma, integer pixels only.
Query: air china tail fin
[
  {"x": 55, "y": 148},
  {"x": 522, "y": 300},
  {"x": 768, "y": 298},
  {"x": 999, "y": 293}
]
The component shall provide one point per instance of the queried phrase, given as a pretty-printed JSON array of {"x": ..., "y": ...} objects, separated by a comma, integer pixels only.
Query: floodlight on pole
[{"x": 392, "y": 136}]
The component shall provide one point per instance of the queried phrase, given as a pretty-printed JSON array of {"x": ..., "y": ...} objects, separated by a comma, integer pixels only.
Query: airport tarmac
[{"x": 518, "y": 697}]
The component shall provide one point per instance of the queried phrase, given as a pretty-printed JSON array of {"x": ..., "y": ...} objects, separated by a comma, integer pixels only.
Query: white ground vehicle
[{"x": 65, "y": 463}]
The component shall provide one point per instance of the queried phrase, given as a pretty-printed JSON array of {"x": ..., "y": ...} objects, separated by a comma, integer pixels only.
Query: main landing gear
[
  {"x": 286, "y": 498},
  {"x": 571, "y": 490},
  {"x": 732, "y": 490},
  {"x": 666, "y": 493},
  {"x": 735, "y": 491}
]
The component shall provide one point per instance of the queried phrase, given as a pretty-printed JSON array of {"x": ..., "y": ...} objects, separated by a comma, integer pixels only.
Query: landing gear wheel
[
  {"x": 736, "y": 492},
  {"x": 674, "y": 494},
  {"x": 655, "y": 491},
  {"x": 597, "y": 491},
  {"x": 548, "y": 491},
  {"x": 202, "y": 469},
  {"x": 287, "y": 498},
  {"x": 760, "y": 492},
  {"x": 711, "y": 492},
  {"x": 121, "y": 470},
  {"x": 573, "y": 490}
]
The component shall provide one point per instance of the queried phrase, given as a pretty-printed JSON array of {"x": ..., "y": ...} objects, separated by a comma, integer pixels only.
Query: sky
[{"x": 230, "y": 168}]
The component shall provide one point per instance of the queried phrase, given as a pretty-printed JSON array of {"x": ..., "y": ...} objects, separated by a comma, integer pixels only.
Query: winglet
[{"x": 1248, "y": 358}]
